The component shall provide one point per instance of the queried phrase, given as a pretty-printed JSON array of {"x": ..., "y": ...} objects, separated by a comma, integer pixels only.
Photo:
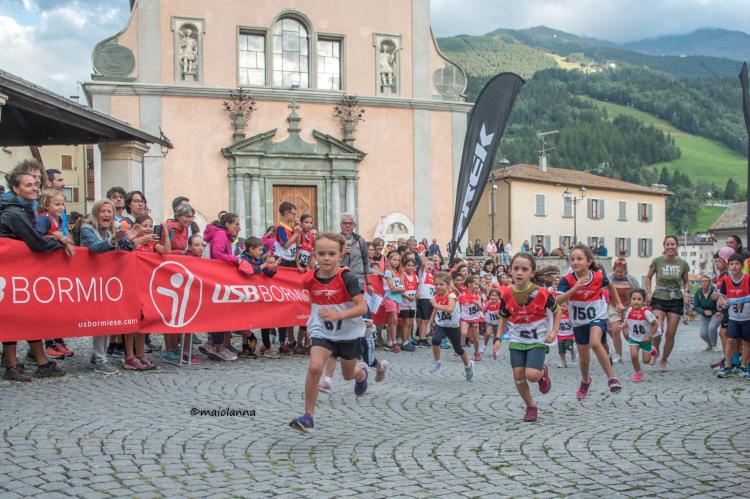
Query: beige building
[
  {"x": 699, "y": 255},
  {"x": 554, "y": 207},
  {"x": 174, "y": 64}
]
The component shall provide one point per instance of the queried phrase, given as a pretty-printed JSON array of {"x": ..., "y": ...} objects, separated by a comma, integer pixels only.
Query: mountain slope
[{"x": 709, "y": 42}]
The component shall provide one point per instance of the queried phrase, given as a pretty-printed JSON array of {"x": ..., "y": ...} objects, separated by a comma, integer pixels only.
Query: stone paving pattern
[{"x": 679, "y": 434}]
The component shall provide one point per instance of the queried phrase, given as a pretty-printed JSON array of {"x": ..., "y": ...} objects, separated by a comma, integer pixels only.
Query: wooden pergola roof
[{"x": 35, "y": 116}]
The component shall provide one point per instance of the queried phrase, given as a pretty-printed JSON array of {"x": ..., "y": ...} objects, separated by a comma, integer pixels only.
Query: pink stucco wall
[
  {"x": 441, "y": 129},
  {"x": 126, "y": 108}
]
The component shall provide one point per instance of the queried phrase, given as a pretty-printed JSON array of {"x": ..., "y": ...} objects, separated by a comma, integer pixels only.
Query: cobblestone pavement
[{"x": 683, "y": 433}]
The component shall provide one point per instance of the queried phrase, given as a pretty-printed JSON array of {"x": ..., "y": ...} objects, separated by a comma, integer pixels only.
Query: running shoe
[
  {"x": 324, "y": 386},
  {"x": 469, "y": 371},
  {"x": 637, "y": 377},
  {"x": 380, "y": 371},
  {"x": 270, "y": 354},
  {"x": 192, "y": 360},
  {"x": 226, "y": 354},
  {"x": 615, "y": 358},
  {"x": 63, "y": 349},
  {"x": 435, "y": 367},
  {"x": 53, "y": 353},
  {"x": 208, "y": 350},
  {"x": 530, "y": 416},
  {"x": 583, "y": 389},
  {"x": 146, "y": 363},
  {"x": 132, "y": 364},
  {"x": 614, "y": 385},
  {"x": 49, "y": 370},
  {"x": 407, "y": 347},
  {"x": 284, "y": 349},
  {"x": 234, "y": 350},
  {"x": 477, "y": 357},
  {"x": 725, "y": 372},
  {"x": 105, "y": 368},
  {"x": 747, "y": 375},
  {"x": 545, "y": 383},
  {"x": 562, "y": 364},
  {"x": 360, "y": 387},
  {"x": 171, "y": 355},
  {"x": 118, "y": 352},
  {"x": 718, "y": 365},
  {"x": 742, "y": 371},
  {"x": 15, "y": 373},
  {"x": 304, "y": 423}
]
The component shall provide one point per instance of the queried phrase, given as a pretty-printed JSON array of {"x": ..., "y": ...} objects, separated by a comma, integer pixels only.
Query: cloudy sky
[{"x": 50, "y": 41}]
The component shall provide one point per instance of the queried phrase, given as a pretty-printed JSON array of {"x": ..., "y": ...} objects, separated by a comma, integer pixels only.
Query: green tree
[
  {"x": 682, "y": 208},
  {"x": 731, "y": 190}
]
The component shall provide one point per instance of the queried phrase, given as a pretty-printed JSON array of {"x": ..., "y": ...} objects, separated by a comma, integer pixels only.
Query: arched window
[{"x": 291, "y": 45}]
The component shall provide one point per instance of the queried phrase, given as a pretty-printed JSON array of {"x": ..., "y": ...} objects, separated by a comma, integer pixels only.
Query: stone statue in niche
[
  {"x": 388, "y": 52},
  {"x": 189, "y": 52}
]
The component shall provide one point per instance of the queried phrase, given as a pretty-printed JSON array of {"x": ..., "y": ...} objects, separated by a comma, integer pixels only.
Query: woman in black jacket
[{"x": 16, "y": 222}]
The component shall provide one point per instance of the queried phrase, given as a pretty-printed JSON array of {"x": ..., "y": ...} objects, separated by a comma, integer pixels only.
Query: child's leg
[
  {"x": 350, "y": 370},
  {"x": 661, "y": 319},
  {"x": 9, "y": 354},
  {"x": 457, "y": 341},
  {"x": 437, "y": 338},
  {"x": 731, "y": 343},
  {"x": 595, "y": 342},
  {"x": 745, "y": 352},
  {"x": 616, "y": 327},
  {"x": 405, "y": 330},
  {"x": 129, "y": 340},
  {"x": 474, "y": 331},
  {"x": 672, "y": 321},
  {"x": 522, "y": 386},
  {"x": 634, "y": 350},
  {"x": 392, "y": 325},
  {"x": 318, "y": 358},
  {"x": 330, "y": 367},
  {"x": 188, "y": 341},
  {"x": 140, "y": 345},
  {"x": 464, "y": 328}
]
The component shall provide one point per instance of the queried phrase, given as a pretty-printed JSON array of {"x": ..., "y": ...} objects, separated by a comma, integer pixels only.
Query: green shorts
[{"x": 643, "y": 345}]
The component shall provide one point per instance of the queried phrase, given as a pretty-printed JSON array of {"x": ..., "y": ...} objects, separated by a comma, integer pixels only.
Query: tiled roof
[
  {"x": 574, "y": 178},
  {"x": 732, "y": 218}
]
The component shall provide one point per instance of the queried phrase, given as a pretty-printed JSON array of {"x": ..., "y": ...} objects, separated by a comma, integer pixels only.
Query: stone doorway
[{"x": 304, "y": 197}]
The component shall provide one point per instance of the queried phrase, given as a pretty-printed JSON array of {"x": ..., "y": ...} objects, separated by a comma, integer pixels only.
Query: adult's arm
[
  {"x": 218, "y": 248},
  {"x": 95, "y": 244},
  {"x": 26, "y": 233}
]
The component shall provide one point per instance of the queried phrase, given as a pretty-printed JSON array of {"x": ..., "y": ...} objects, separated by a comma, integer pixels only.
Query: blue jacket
[{"x": 99, "y": 241}]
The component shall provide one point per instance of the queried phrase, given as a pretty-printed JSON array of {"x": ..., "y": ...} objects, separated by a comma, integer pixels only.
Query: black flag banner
[
  {"x": 746, "y": 112},
  {"x": 484, "y": 130}
]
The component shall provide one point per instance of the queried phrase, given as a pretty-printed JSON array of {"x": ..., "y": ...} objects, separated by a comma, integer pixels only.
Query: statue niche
[
  {"x": 189, "y": 52},
  {"x": 388, "y": 66}
]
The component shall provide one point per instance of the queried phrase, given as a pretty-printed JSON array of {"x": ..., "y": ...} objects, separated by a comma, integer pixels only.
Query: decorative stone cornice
[{"x": 268, "y": 94}]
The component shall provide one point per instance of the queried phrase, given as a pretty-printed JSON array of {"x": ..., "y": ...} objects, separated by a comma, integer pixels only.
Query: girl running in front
[
  {"x": 524, "y": 315},
  {"x": 565, "y": 341},
  {"x": 491, "y": 317},
  {"x": 642, "y": 326},
  {"x": 408, "y": 310},
  {"x": 335, "y": 324},
  {"x": 471, "y": 314},
  {"x": 446, "y": 316},
  {"x": 393, "y": 287},
  {"x": 588, "y": 313}
]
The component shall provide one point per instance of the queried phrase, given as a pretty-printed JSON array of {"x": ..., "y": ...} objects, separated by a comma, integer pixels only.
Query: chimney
[{"x": 543, "y": 162}]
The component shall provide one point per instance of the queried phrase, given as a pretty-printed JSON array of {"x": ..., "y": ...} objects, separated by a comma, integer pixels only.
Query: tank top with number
[
  {"x": 331, "y": 296},
  {"x": 639, "y": 323},
  {"x": 305, "y": 248},
  {"x": 492, "y": 313},
  {"x": 410, "y": 289},
  {"x": 528, "y": 323},
  {"x": 738, "y": 298},
  {"x": 444, "y": 318},
  {"x": 587, "y": 304},
  {"x": 426, "y": 289},
  {"x": 566, "y": 328},
  {"x": 398, "y": 282},
  {"x": 470, "y": 312},
  {"x": 279, "y": 250}
]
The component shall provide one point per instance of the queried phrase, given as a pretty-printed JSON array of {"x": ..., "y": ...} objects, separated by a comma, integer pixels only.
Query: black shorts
[
  {"x": 407, "y": 314},
  {"x": 533, "y": 358},
  {"x": 565, "y": 345},
  {"x": 739, "y": 330},
  {"x": 452, "y": 333},
  {"x": 345, "y": 350},
  {"x": 583, "y": 333},
  {"x": 676, "y": 306},
  {"x": 424, "y": 309}
]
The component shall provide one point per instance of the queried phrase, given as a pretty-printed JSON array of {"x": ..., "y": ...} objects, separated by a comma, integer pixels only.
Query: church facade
[{"x": 337, "y": 106}]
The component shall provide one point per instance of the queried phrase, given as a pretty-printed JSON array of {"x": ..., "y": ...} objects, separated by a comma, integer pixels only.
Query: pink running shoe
[
  {"x": 545, "y": 383},
  {"x": 637, "y": 377},
  {"x": 380, "y": 371},
  {"x": 614, "y": 385},
  {"x": 530, "y": 415},
  {"x": 583, "y": 389},
  {"x": 477, "y": 357}
]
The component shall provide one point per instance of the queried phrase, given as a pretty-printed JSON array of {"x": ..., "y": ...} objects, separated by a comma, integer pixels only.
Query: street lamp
[{"x": 568, "y": 195}]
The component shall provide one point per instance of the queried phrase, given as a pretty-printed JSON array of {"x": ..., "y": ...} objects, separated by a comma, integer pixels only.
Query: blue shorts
[
  {"x": 582, "y": 333},
  {"x": 739, "y": 330}
]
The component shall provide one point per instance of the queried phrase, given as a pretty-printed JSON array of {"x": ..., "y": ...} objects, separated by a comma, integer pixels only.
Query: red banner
[{"x": 51, "y": 296}]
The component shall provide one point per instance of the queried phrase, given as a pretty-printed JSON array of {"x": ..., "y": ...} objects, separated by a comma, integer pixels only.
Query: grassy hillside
[
  {"x": 707, "y": 215},
  {"x": 702, "y": 159}
]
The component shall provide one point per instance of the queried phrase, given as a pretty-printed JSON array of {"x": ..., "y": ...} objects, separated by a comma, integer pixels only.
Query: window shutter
[
  {"x": 601, "y": 209},
  {"x": 650, "y": 247},
  {"x": 548, "y": 243},
  {"x": 590, "y": 206},
  {"x": 66, "y": 162},
  {"x": 628, "y": 247},
  {"x": 562, "y": 241},
  {"x": 650, "y": 212},
  {"x": 75, "y": 194}
]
